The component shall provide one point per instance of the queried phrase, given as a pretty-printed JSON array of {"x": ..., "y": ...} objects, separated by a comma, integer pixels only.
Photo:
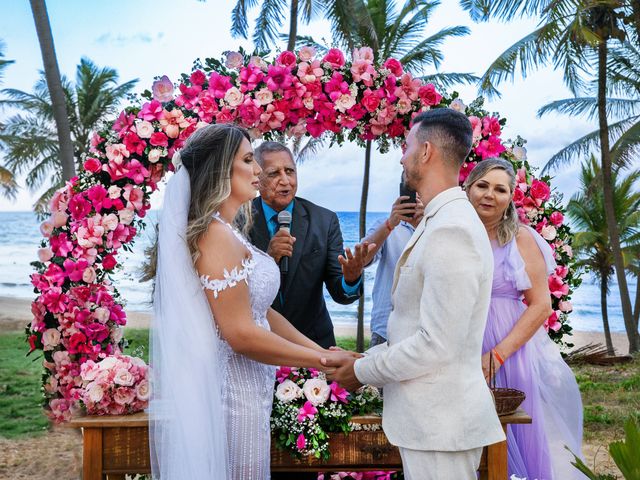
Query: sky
[{"x": 143, "y": 39}]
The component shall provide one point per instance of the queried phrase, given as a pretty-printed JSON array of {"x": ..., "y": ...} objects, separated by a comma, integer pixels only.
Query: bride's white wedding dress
[
  {"x": 247, "y": 391},
  {"x": 210, "y": 407}
]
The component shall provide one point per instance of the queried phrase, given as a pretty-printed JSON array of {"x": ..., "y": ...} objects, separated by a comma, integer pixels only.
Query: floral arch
[{"x": 79, "y": 315}]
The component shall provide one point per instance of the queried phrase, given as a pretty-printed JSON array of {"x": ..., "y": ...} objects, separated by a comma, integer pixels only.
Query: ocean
[{"x": 20, "y": 238}]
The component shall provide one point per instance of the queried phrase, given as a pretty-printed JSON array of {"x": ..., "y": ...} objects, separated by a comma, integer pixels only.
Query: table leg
[
  {"x": 497, "y": 460},
  {"x": 92, "y": 454}
]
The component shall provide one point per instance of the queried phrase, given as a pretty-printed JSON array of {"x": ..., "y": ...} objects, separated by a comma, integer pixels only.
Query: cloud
[{"x": 121, "y": 40}]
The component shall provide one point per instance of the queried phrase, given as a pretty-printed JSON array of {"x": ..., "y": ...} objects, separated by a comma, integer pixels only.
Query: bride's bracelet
[{"x": 498, "y": 357}]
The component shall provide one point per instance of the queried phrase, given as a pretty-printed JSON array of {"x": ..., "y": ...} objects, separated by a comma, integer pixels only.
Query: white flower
[
  {"x": 519, "y": 152},
  {"x": 114, "y": 191},
  {"x": 548, "y": 232},
  {"x": 107, "y": 363},
  {"x": 234, "y": 60},
  {"x": 94, "y": 392},
  {"x": 50, "y": 338},
  {"x": 144, "y": 129},
  {"x": 288, "y": 391},
  {"x": 126, "y": 216},
  {"x": 316, "y": 390},
  {"x": 233, "y": 97},
  {"x": 176, "y": 161},
  {"x": 264, "y": 96},
  {"x": 458, "y": 105},
  {"x": 154, "y": 155},
  {"x": 143, "y": 390},
  {"x": 116, "y": 335},
  {"x": 345, "y": 102},
  {"x": 308, "y": 102},
  {"x": 124, "y": 377}
]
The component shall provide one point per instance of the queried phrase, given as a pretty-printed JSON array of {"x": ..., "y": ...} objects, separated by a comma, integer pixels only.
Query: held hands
[
  {"x": 339, "y": 367},
  {"x": 353, "y": 263},
  {"x": 281, "y": 245}
]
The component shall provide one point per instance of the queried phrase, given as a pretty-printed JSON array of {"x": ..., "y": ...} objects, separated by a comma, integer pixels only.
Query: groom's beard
[{"x": 412, "y": 177}]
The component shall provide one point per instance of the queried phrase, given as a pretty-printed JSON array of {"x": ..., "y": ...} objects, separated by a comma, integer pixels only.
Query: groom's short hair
[{"x": 450, "y": 130}]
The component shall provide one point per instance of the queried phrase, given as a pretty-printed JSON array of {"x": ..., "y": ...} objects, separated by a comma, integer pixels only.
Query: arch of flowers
[{"x": 78, "y": 314}]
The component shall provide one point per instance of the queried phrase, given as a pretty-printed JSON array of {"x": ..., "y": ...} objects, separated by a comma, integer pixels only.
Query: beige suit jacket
[{"x": 435, "y": 394}]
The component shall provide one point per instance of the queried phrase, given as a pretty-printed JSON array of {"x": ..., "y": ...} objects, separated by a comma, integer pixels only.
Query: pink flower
[
  {"x": 278, "y": 78},
  {"x": 565, "y": 306},
  {"x": 151, "y": 111},
  {"x": 490, "y": 148},
  {"x": 557, "y": 287},
  {"x": 92, "y": 165},
  {"x": 428, "y": 95},
  {"x": 394, "y": 66},
  {"x": 159, "y": 139},
  {"x": 46, "y": 228},
  {"x": 310, "y": 72},
  {"x": 143, "y": 390},
  {"x": 301, "y": 442},
  {"x": 476, "y": 126},
  {"x": 134, "y": 197},
  {"x": 219, "y": 84},
  {"x": 490, "y": 126},
  {"x": 250, "y": 77},
  {"x": 334, "y": 58},
  {"x": 412, "y": 88},
  {"x": 518, "y": 196},
  {"x": 371, "y": 99},
  {"x": 60, "y": 245},
  {"x": 198, "y": 78},
  {"x": 234, "y": 60},
  {"x": 117, "y": 152},
  {"x": 306, "y": 54},
  {"x": 109, "y": 262},
  {"x": 233, "y": 97},
  {"x": 286, "y": 59},
  {"x": 307, "y": 411},
  {"x": 364, "y": 54},
  {"x": 162, "y": 89},
  {"x": 557, "y": 218},
  {"x": 79, "y": 207},
  {"x": 124, "y": 396},
  {"x": 466, "y": 170},
  {"x": 562, "y": 271},
  {"x": 540, "y": 190},
  {"x": 172, "y": 122},
  {"x": 363, "y": 71},
  {"x": 338, "y": 394},
  {"x": 553, "y": 323},
  {"x": 45, "y": 254},
  {"x": 134, "y": 144}
]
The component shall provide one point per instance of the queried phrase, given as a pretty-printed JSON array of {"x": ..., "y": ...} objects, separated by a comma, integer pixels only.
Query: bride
[{"x": 214, "y": 335}]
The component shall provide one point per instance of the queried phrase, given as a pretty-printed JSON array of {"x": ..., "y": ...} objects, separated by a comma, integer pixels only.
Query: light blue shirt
[
  {"x": 271, "y": 217},
  {"x": 387, "y": 257}
]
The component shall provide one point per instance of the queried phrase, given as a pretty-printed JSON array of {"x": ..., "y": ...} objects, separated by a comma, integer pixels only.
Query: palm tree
[
  {"x": 54, "y": 83},
  {"x": 29, "y": 138},
  {"x": 395, "y": 32},
  {"x": 586, "y": 210},
  {"x": 570, "y": 33},
  {"x": 8, "y": 185},
  {"x": 269, "y": 21}
]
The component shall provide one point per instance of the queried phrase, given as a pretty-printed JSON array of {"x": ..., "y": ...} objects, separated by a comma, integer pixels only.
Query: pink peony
[{"x": 162, "y": 89}]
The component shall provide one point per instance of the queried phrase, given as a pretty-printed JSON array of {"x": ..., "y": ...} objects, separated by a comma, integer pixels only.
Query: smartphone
[{"x": 406, "y": 191}]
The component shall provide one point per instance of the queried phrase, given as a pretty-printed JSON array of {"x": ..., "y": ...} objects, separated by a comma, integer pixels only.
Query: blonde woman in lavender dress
[
  {"x": 524, "y": 355},
  {"x": 215, "y": 339}
]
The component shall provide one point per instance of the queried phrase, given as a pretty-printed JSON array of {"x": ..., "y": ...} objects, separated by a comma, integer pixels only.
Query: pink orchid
[
  {"x": 278, "y": 78},
  {"x": 54, "y": 300},
  {"x": 219, "y": 84},
  {"x": 490, "y": 148},
  {"x": 198, "y": 77},
  {"x": 466, "y": 170},
  {"x": 74, "y": 270},
  {"x": 410, "y": 86},
  {"x": 338, "y": 394},
  {"x": 301, "y": 442},
  {"x": 60, "y": 245},
  {"x": 364, "y": 54},
  {"x": 98, "y": 196},
  {"x": 151, "y": 111},
  {"x": 307, "y": 411},
  {"x": 124, "y": 123},
  {"x": 134, "y": 144},
  {"x": 557, "y": 287}
]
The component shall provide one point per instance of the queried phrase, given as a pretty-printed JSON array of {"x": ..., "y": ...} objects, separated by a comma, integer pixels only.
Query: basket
[{"x": 507, "y": 400}]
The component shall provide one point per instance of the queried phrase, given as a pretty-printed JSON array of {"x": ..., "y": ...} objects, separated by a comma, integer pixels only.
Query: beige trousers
[{"x": 431, "y": 465}]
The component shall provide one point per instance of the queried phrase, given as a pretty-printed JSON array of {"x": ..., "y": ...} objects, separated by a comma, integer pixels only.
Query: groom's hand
[
  {"x": 344, "y": 373},
  {"x": 353, "y": 263}
]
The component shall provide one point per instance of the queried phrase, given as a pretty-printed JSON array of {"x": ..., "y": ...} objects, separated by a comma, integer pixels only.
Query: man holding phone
[{"x": 390, "y": 237}]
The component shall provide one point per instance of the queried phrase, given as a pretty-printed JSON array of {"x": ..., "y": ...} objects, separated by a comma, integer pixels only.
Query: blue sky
[{"x": 143, "y": 39}]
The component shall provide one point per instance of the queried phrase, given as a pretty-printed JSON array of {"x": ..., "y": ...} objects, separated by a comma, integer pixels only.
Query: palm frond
[
  {"x": 239, "y": 23},
  {"x": 444, "y": 81},
  {"x": 268, "y": 23},
  {"x": 588, "y": 106},
  {"x": 302, "y": 151},
  {"x": 428, "y": 51},
  {"x": 627, "y": 148},
  {"x": 8, "y": 184}
]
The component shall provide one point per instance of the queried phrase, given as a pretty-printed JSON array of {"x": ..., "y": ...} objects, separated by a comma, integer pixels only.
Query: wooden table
[{"x": 116, "y": 445}]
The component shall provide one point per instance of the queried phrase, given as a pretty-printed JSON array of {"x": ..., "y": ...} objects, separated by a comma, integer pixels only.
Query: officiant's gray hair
[{"x": 509, "y": 223}]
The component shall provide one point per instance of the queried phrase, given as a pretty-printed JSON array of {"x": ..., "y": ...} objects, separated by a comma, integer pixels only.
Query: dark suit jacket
[{"x": 314, "y": 262}]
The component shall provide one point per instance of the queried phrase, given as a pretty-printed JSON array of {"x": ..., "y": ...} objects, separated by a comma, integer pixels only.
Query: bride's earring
[{"x": 504, "y": 217}]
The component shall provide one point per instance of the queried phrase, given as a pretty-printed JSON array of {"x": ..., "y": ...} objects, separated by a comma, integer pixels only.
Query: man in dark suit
[{"x": 314, "y": 247}]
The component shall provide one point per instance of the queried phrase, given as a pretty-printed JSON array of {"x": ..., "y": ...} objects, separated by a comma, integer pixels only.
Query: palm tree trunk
[
  {"x": 54, "y": 84},
  {"x": 362, "y": 231},
  {"x": 607, "y": 190},
  {"x": 636, "y": 308},
  {"x": 293, "y": 26},
  {"x": 604, "y": 287}
]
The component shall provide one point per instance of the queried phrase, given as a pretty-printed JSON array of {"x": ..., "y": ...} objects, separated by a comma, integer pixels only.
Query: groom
[{"x": 437, "y": 407}]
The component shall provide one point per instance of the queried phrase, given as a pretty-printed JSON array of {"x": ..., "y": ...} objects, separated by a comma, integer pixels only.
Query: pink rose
[
  {"x": 540, "y": 190},
  {"x": 123, "y": 377},
  {"x": 565, "y": 306},
  {"x": 286, "y": 59},
  {"x": 557, "y": 218},
  {"x": 344, "y": 102},
  {"x": 124, "y": 396},
  {"x": 50, "y": 338},
  {"x": 94, "y": 392},
  {"x": 159, "y": 139},
  {"x": 162, "y": 89},
  {"x": 334, "y": 58},
  {"x": 264, "y": 96},
  {"x": 394, "y": 66},
  {"x": 234, "y": 60},
  {"x": 549, "y": 232},
  {"x": 92, "y": 165},
  {"x": 144, "y": 129},
  {"x": 154, "y": 155},
  {"x": 45, "y": 254},
  {"x": 306, "y": 54},
  {"x": 46, "y": 228},
  {"x": 89, "y": 275},
  {"x": 143, "y": 390},
  {"x": 370, "y": 100},
  {"x": 233, "y": 97},
  {"x": 59, "y": 219}
]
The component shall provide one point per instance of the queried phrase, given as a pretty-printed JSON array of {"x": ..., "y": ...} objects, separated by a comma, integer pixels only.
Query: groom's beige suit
[{"x": 436, "y": 399}]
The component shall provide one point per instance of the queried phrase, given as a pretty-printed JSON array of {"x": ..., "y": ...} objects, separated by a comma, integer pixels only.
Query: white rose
[
  {"x": 345, "y": 102},
  {"x": 50, "y": 338},
  {"x": 101, "y": 314},
  {"x": 234, "y": 60},
  {"x": 264, "y": 96},
  {"x": 124, "y": 377},
  {"x": 144, "y": 129},
  {"x": 458, "y": 105},
  {"x": 316, "y": 390},
  {"x": 548, "y": 232},
  {"x": 110, "y": 222},
  {"x": 288, "y": 391},
  {"x": 233, "y": 97},
  {"x": 95, "y": 392},
  {"x": 308, "y": 103},
  {"x": 154, "y": 155},
  {"x": 143, "y": 390},
  {"x": 114, "y": 191},
  {"x": 107, "y": 363},
  {"x": 519, "y": 152},
  {"x": 126, "y": 216},
  {"x": 116, "y": 335},
  {"x": 307, "y": 53}
]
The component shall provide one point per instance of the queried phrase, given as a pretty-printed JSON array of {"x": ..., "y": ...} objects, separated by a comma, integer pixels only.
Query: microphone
[{"x": 284, "y": 222}]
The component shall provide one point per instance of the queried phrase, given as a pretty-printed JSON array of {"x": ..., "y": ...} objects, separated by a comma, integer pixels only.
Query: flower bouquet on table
[{"x": 306, "y": 408}]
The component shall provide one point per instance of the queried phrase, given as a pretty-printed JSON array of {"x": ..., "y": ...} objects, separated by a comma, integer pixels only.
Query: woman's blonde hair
[{"x": 509, "y": 223}]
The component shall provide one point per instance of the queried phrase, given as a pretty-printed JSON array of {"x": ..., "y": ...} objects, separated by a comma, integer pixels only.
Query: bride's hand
[{"x": 353, "y": 354}]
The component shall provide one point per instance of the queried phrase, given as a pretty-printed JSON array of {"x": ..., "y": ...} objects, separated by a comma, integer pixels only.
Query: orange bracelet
[
  {"x": 498, "y": 357},
  {"x": 388, "y": 225}
]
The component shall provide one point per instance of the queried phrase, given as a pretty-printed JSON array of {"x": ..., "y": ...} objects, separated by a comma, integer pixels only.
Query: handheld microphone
[{"x": 284, "y": 222}]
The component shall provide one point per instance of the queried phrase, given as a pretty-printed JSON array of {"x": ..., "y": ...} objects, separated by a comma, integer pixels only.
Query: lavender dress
[{"x": 535, "y": 451}]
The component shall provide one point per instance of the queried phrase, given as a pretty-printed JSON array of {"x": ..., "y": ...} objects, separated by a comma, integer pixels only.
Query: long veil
[{"x": 187, "y": 428}]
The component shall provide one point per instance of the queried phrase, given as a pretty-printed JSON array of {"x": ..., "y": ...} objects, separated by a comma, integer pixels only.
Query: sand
[{"x": 15, "y": 314}]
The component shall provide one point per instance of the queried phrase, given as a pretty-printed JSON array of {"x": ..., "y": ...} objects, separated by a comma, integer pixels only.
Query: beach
[{"x": 15, "y": 314}]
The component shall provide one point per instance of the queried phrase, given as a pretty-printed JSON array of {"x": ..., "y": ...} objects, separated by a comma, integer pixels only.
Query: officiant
[{"x": 310, "y": 252}]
